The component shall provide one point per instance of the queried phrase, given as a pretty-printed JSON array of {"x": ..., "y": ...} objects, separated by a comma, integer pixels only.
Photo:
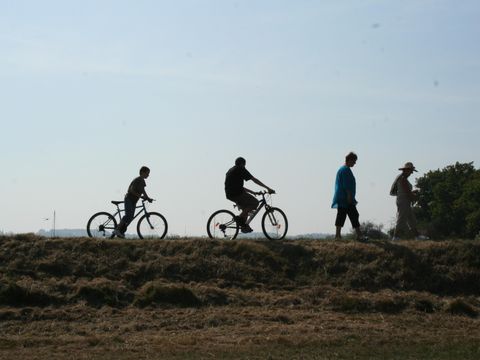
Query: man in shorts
[
  {"x": 240, "y": 195},
  {"x": 136, "y": 190}
]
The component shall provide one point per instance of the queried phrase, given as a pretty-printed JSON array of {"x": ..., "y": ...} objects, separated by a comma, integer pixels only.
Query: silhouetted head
[
  {"x": 240, "y": 161},
  {"x": 408, "y": 169},
  {"x": 144, "y": 172},
  {"x": 351, "y": 159}
]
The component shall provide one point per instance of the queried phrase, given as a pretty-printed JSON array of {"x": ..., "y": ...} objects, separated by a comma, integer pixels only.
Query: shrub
[{"x": 372, "y": 231}]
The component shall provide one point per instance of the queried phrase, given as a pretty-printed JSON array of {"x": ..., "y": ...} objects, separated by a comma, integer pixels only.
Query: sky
[{"x": 93, "y": 90}]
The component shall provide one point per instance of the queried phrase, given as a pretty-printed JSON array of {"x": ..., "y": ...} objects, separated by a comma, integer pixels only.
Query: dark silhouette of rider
[
  {"x": 236, "y": 192},
  {"x": 136, "y": 190}
]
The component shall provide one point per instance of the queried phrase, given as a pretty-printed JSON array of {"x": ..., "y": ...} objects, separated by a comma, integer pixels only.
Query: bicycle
[
  {"x": 150, "y": 225},
  {"x": 222, "y": 223}
]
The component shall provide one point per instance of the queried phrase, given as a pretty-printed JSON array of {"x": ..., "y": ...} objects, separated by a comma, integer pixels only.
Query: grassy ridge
[{"x": 196, "y": 272}]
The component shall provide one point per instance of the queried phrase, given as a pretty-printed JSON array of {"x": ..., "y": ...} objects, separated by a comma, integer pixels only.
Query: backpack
[{"x": 394, "y": 188}]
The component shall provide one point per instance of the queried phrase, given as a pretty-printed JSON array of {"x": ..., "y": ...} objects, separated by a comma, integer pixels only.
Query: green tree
[
  {"x": 449, "y": 201},
  {"x": 469, "y": 201}
]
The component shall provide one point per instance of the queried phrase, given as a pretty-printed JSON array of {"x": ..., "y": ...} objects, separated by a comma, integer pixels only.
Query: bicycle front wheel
[
  {"x": 222, "y": 225},
  {"x": 152, "y": 225},
  {"x": 101, "y": 226},
  {"x": 274, "y": 224}
]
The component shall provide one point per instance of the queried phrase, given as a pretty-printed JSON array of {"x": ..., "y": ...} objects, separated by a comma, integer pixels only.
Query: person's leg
[
  {"x": 411, "y": 221},
  {"x": 354, "y": 217},
  {"x": 401, "y": 227},
  {"x": 249, "y": 203},
  {"x": 128, "y": 217},
  {"x": 338, "y": 232},
  {"x": 246, "y": 203},
  {"x": 339, "y": 222}
]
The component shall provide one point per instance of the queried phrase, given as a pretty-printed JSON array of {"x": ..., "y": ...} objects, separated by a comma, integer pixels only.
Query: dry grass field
[{"x": 201, "y": 299}]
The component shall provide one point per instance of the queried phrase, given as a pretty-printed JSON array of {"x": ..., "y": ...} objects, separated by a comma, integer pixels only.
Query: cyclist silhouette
[
  {"x": 236, "y": 192},
  {"x": 136, "y": 190}
]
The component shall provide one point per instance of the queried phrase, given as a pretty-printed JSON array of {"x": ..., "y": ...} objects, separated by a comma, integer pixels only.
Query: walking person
[
  {"x": 236, "y": 192},
  {"x": 402, "y": 188},
  {"x": 344, "y": 198},
  {"x": 135, "y": 191}
]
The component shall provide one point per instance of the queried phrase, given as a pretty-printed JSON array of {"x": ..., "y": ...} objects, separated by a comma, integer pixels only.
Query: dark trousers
[
  {"x": 352, "y": 213},
  {"x": 128, "y": 217}
]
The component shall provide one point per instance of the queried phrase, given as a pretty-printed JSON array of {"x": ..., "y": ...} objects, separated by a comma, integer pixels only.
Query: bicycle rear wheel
[
  {"x": 152, "y": 225},
  {"x": 274, "y": 224},
  {"x": 101, "y": 225},
  {"x": 222, "y": 225}
]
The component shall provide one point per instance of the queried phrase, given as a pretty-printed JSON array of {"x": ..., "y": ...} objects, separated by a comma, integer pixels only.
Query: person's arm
[
  {"x": 135, "y": 188},
  {"x": 259, "y": 183},
  {"x": 349, "y": 197},
  {"x": 249, "y": 191},
  {"x": 346, "y": 183},
  {"x": 146, "y": 197}
]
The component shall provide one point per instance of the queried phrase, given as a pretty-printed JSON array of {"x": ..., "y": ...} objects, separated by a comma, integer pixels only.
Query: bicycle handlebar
[
  {"x": 122, "y": 201},
  {"x": 265, "y": 192}
]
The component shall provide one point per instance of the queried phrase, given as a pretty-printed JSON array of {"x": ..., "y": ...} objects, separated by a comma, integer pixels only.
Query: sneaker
[
  {"x": 422, "y": 237},
  {"x": 246, "y": 229},
  {"x": 119, "y": 234}
]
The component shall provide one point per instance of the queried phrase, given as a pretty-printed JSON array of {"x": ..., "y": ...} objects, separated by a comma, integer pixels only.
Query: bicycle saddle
[{"x": 117, "y": 202}]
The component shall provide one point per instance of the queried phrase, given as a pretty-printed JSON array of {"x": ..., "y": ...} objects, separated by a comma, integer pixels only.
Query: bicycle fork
[
  {"x": 147, "y": 215},
  {"x": 272, "y": 219}
]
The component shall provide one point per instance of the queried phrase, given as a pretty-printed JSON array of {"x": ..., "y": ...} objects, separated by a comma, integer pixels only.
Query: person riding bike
[
  {"x": 136, "y": 190},
  {"x": 236, "y": 192}
]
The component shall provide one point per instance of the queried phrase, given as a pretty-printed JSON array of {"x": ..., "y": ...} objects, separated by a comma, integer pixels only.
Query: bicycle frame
[
  {"x": 120, "y": 211},
  {"x": 263, "y": 203}
]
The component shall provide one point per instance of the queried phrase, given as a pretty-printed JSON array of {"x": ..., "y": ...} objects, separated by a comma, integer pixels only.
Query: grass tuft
[
  {"x": 461, "y": 307},
  {"x": 155, "y": 293},
  {"x": 15, "y": 295}
]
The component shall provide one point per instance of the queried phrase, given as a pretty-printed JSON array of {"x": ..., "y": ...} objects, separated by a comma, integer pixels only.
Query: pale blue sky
[{"x": 92, "y": 90}]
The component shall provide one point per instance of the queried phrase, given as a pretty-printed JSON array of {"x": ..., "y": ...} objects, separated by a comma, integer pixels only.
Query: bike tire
[
  {"x": 221, "y": 225},
  {"x": 274, "y": 224},
  {"x": 101, "y": 225},
  {"x": 152, "y": 225}
]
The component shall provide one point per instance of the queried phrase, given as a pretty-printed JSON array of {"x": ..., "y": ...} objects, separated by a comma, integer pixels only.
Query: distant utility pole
[{"x": 54, "y": 219}]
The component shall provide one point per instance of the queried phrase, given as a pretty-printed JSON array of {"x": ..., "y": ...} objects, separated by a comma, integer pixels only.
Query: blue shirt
[{"x": 344, "y": 182}]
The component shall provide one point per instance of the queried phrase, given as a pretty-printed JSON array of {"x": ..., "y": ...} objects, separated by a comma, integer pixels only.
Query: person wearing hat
[{"x": 403, "y": 190}]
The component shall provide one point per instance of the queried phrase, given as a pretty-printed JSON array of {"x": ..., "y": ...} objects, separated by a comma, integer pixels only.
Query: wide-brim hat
[{"x": 408, "y": 166}]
